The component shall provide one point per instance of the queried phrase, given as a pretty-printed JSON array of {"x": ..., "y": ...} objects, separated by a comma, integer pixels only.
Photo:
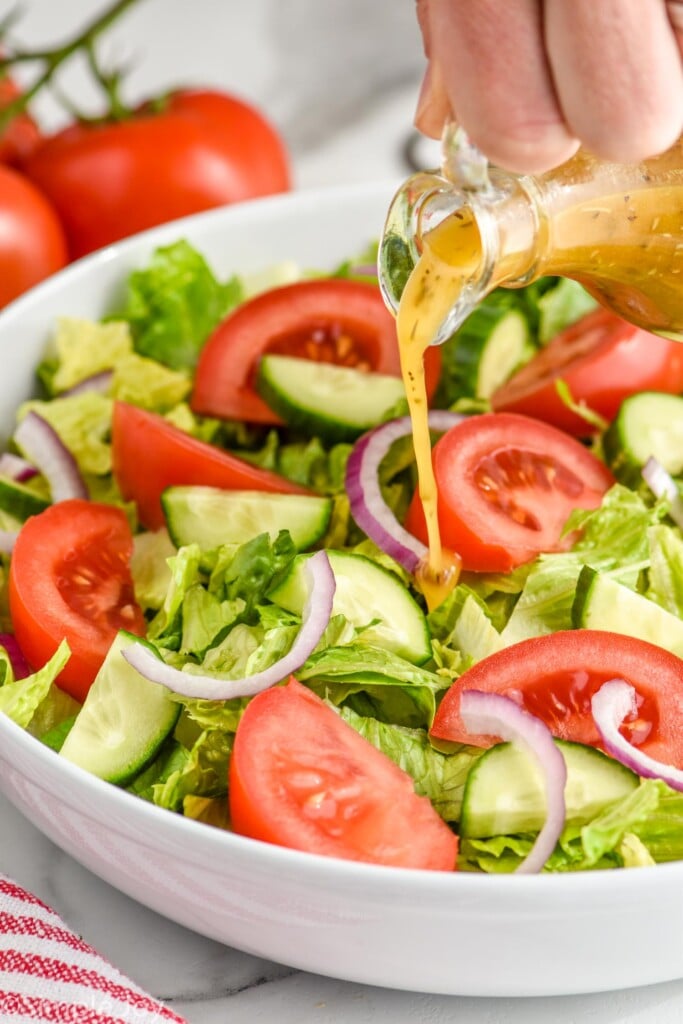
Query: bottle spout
[{"x": 426, "y": 198}]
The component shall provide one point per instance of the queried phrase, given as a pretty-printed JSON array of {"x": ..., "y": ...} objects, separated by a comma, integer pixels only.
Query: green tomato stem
[{"x": 53, "y": 59}]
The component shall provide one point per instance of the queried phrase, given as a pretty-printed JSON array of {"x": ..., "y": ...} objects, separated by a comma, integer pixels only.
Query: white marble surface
[{"x": 339, "y": 78}]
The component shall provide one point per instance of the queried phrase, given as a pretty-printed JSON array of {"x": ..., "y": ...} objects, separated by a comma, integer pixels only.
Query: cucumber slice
[
  {"x": 504, "y": 789},
  {"x": 602, "y": 603},
  {"x": 492, "y": 343},
  {"x": 365, "y": 592},
  {"x": 209, "y": 516},
  {"x": 123, "y": 722},
  {"x": 650, "y": 423},
  {"x": 19, "y": 501},
  {"x": 334, "y": 402}
]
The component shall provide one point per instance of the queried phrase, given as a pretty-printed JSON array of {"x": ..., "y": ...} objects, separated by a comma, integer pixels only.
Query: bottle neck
[{"x": 514, "y": 230}]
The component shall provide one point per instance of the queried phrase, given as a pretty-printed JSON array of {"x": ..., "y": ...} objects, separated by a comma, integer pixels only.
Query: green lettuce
[
  {"x": 613, "y": 539},
  {"x": 84, "y": 348},
  {"x": 666, "y": 568},
  {"x": 21, "y": 698},
  {"x": 83, "y": 423},
  {"x": 643, "y": 827},
  {"x": 561, "y": 306},
  {"x": 175, "y": 303},
  {"x": 440, "y": 777}
]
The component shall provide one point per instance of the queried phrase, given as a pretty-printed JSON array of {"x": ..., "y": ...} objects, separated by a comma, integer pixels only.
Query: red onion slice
[
  {"x": 16, "y": 468},
  {"x": 20, "y": 666},
  {"x": 663, "y": 485},
  {"x": 368, "y": 506},
  {"x": 99, "y": 382},
  {"x": 610, "y": 706},
  {"x": 43, "y": 446},
  {"x": 492, "y": 714},
  {"x": 316, "y": 615},
  {"x": 7, "y": 541}
]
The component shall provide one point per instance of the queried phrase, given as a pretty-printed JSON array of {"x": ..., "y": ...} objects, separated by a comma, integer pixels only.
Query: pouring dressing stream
[{"x": 452, "y": 237}]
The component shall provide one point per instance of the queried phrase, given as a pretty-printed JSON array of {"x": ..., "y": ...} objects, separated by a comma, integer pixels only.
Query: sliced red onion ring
[
  {"x": 663, "y": 485},
  {"x": 42, "y": 444},
  {"x": 315, "y": 617},
  {"x": 610, "y": 706},
  {"x": 16, "y": 468},
  {"x": 99, "y": 382},
  {"x": 368, "y": 507},
  {"x": 7, "y": 541},
  {"x": 364, "y": 269},
  {"x": 20, "y": 666},
  {"x": 495, "y": 715}
]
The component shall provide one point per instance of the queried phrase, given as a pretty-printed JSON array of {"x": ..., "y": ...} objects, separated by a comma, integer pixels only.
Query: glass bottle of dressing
[{"x": 453, "y": 236}]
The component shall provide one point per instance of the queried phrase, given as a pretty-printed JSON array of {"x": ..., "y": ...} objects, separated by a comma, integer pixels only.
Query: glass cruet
[{"x": 615, "y": 228}]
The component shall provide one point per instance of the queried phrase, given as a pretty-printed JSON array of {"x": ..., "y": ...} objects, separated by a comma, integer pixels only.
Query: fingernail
[
  {"x": 424, "y": 99},
  {"x": 432, "y": 110}
]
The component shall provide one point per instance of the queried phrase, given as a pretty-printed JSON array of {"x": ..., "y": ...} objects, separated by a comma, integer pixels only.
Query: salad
[{"x": 209, "y": 590}]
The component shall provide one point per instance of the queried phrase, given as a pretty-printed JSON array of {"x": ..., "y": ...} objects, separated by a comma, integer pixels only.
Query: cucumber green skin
[
  {"x": 602, "y": 603},
  {"x": 188, "y": 522},
  {"x": 504, "y": 796},
  {"x": 630, "y": 429},
  {"x": 490, "y": 346},
  {"x": 334, "y": 426},
  {"x": 412, "y": 642},
  {"x": 86, "y": 744},
  {"x": 20, "y": 501}
]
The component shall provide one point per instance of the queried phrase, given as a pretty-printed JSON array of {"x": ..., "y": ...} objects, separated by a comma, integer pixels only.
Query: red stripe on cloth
[
  {"x": 51, "y": 969},
  {"x": 10, "y": 924},
  {"x": 49, "y": 1012},
  {"x": 17, "y": 893}
]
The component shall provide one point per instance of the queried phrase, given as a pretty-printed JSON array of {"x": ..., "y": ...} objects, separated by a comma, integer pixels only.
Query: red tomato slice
[
  {"x": 70, "y": 579},
  {"x": 301, "y": 777},
  {"x": 507, "y": 485},
  {"x": 150, "y": 454},
  {"x": 328, "y": 320},
  {"x": 603, "y": 360},
  {"x": 554, "y": 678}
]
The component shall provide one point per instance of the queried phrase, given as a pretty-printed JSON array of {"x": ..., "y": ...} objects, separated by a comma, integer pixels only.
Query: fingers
[
  {"x": 529, "y": 79},
  {"x": 492, "y": 61},
  {"x": 617, "y": 68}
]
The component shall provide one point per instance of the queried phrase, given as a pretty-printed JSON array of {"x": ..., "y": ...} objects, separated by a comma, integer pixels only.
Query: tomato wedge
[
  {"x": 150, "y": 454},
  {"x": 507, "y": 485},
  {"x": 331, "y": 320},
  {"x": 70, "y": 579},
  {"x": 603, "y": 360},
  {"x": 554, "y": 678},
  {"x": 301, "y": 777}
]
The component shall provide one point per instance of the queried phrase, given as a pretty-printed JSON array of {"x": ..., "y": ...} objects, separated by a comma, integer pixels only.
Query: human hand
[{"x": 532, "y": 80}]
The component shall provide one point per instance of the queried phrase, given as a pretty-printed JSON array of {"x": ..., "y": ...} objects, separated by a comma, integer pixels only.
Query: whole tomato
[
  {"x": 201, "y": 149},
  {"x": 32, "y": 242},
  {"x": 22, "y": 135}
]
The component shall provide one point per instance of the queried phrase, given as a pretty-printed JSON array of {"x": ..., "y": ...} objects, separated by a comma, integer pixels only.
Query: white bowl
[{"x": 454, "y": 934}]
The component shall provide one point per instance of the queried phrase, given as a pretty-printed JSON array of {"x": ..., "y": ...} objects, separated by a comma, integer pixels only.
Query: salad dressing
[
  {"x": 618, "y": 230},
  {"x": 430, "y": 291}
]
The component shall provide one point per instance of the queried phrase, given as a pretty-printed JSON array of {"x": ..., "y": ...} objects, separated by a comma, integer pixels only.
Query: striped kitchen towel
[{"x": 48, "y": 975}]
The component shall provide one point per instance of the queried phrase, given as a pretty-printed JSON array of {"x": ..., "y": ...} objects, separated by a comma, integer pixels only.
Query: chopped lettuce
[
  {"x": 84, "y": 348},
  {"x": 175, "y": 303},
  {"x": 613, "y": 538},
  {"x": 561, "y": 306},
  {"x": 150, "y": 569},
  {"x": 83, "y": 423},
  {"x": 645, "y": 826},
  {"x": 21, "y": 698},
  {"x": 441, "y": 777}
]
